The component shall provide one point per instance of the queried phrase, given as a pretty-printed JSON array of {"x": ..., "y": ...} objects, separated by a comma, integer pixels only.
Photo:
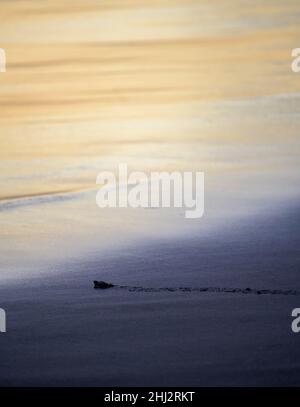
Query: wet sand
[{"x": 61, "y": 331}]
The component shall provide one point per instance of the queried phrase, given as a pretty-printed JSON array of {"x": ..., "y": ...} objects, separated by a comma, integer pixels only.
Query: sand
[{"x": 61, "y": 331}]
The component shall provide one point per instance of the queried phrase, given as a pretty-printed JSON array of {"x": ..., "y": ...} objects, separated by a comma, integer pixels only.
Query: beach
[
  {"x": 63, "y": 332},
  {"x": 160, "y": 86}
]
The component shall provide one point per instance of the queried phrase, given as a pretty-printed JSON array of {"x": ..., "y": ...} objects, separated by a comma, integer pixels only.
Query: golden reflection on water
[{"x": 157, "y": 84}]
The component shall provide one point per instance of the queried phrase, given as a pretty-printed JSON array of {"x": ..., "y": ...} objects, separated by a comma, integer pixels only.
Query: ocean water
[{"x": 195, "y": 85}]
